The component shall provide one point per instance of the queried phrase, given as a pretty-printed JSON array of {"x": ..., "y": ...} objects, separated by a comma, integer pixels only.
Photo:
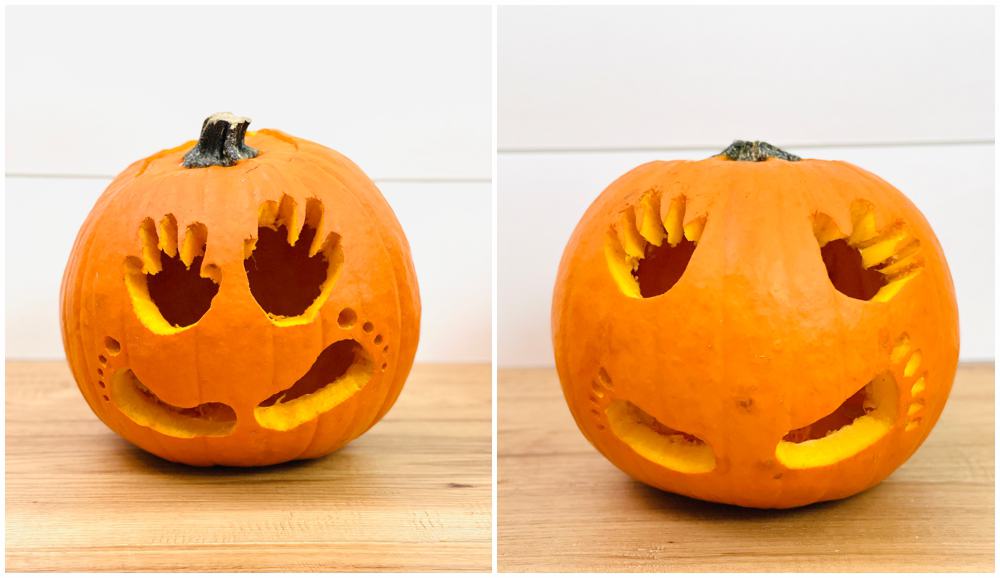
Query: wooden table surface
[
  {"x": 411, "y": 494},
  {"x": 563, "y": 507}
]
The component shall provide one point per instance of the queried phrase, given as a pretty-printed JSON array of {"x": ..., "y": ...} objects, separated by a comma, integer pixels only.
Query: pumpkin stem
[
  {"x": 756, "y": 151},
  {"x": 221, "y": 142}
]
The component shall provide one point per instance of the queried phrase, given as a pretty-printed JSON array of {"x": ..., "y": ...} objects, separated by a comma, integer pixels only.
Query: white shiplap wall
[
  {"x": 404, "y": 91},
  {"x": 587, "y": 93}
]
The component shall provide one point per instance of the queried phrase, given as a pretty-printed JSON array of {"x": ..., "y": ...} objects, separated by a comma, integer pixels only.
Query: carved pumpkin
[
  {"x": 755, "y": 329},
  {"x": 240, "y": 303}
]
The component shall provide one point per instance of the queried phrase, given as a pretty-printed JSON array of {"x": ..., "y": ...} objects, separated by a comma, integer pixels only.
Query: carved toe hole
[
  {"x": 289, "y": 271},
  {"x": 657, "y": 442},
  {"x": 112, "y": 346},
  {"x": 368, "y": 327},
  {"x": 378, "y": 340},
  {"x": 145, "y": 408},
  {"x": 339, "y": 372},
  {"x": 347, "y": 318},
  {"x": 857, "y": 423}
]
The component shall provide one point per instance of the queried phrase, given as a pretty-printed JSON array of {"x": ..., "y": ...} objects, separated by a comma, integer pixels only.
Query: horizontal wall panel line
[
  {"x": 419, "y": 180},
  {"x": 718, "y": 148}
]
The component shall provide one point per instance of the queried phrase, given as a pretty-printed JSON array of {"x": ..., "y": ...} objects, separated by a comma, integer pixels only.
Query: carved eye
[
  {"x": 290, "y": 271},
  {"x": 868, "y": 264},
  {"x": 169, "y": 286},
  {"x": 647, "y": 249}
]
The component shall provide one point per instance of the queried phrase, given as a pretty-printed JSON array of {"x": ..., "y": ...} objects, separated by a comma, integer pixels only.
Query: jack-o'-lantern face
[
  {"x": 241, "y": 304},
  {"x": 766, "y": 334}
]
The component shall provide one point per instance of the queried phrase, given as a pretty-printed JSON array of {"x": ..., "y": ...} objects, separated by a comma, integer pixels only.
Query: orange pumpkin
[
  {"x": 240, "y": 302},
  {"x": 754, "y": 328}
]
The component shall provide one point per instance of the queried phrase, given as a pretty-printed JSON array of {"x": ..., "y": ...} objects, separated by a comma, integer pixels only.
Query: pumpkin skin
[
  {"x": 207, "y": 392},
  {"x": 717, "y": 387}
]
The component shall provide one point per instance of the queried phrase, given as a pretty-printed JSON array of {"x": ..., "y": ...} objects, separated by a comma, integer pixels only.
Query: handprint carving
[
  {"x": 170, "y": 286},
  {"x": 290, "y": 272}
]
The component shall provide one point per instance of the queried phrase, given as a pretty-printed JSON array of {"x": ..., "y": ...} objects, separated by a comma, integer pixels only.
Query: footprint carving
[
  {"x": 369, "y": 328},
  {"x": 290, "y": 271},
  {"x": 914, "y": 378},
  {"x": 601, "y": 389},
  {"x": 644, "y": 434},
  {"x": 169, "y": 285},
  {"x": 339, "y": 372},
  {"x": 112, "y": 347},
  {"x": 348, "y": 318}
]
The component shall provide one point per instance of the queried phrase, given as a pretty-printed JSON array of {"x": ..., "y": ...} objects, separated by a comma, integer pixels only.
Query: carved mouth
[
  {"x": 143, "y": 407},
  {"x": 658, "y": 443},
  {"x": 338, "y": 373},
  {"x": 857, "y": 423},
  {"x": 861, "y": 420}
]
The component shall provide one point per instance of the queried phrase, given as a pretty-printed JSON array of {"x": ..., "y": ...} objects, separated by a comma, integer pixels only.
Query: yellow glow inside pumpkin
[
  {"x": 657, "y": 443},
  {"x": 339, "y": 373},
  {"x": 143, "y": 407},
  {"x": 847, "y": 441}
]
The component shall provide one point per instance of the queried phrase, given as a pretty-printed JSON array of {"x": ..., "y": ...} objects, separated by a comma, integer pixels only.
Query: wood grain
[
  {"x": 412, "y": 494},
  {"x": 563, "y": 507}
]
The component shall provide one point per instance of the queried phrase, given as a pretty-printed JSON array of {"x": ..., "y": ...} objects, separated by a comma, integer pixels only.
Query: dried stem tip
[
  {"x": 221, "y": 142},
  {"x": 756, "y": 151}
]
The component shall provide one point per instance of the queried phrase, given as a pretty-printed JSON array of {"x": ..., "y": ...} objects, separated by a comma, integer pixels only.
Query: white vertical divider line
[
  {"x": 3, "y": 279},
  {"x": 494, "y": 289},
  {"x": 996, "y": 241}
]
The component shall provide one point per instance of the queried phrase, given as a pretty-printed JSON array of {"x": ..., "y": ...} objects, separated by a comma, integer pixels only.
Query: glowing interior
[
  {"x": 647, "y": 249},
  {"x": 860, "y": 421},
  {"x": 868, "y": 264},
  {"x": 169, "y": 287},
  {"x": 339, "y": 372},
  {"x": 291, "y": 272},
  {"x": 143, "y": 407},
  {"x": 658, "y": 443}
]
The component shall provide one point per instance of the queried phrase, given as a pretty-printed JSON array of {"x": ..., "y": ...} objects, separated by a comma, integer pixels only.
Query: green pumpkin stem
[
  {"x": 756, "y": 151},
  {"x": 221, "y": 142}
]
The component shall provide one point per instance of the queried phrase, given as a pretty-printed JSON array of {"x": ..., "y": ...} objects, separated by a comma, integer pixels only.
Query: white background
[
  {"x": 586, "y": 94},
  {"x": 405, "y": 92}
]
